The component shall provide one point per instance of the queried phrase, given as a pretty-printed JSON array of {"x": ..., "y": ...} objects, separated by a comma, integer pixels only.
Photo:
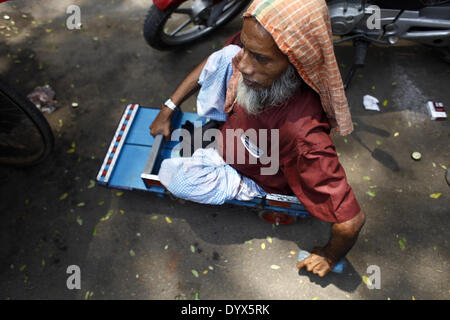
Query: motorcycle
[{"x": 173, "y": 23}]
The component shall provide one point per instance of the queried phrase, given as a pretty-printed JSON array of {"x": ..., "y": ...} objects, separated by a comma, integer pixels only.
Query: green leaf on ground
[
  {"x": 274, "y": 267},
  {"x": 402, "y": 243},
  {"x": 91, "y": 184},
  {"x": 108, "y": 215},
  {"x": 366, "y": 281},
  {"x": 195, "y": 273},
  {"x": 371, "y": 193}
]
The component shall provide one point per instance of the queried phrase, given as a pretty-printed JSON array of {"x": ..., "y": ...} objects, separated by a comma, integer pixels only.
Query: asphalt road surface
[{"x": 146, "y": 247}]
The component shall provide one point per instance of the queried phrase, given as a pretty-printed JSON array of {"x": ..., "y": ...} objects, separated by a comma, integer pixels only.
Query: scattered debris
[
  {"x": 416, "y": 155},
  {"x": 371, "y": 103},
  {"x": 42, "y": 98},
  {"x": 436, "y": 110}
]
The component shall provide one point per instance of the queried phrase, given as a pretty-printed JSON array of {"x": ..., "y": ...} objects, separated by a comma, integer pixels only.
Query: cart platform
[{"x": 133, "y": 159}]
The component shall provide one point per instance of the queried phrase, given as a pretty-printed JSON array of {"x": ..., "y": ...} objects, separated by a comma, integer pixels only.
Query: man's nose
[{"x": 245, "y": 66}]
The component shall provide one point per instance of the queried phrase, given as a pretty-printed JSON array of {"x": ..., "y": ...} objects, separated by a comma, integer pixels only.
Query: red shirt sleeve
[{"x": 318, "y": 180}]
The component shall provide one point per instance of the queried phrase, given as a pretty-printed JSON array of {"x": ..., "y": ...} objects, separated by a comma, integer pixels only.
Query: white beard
[{"x": 255, "y": 101}]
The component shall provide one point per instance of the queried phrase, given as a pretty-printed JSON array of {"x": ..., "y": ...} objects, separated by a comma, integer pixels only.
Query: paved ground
[{"x": 137, "y": 253}]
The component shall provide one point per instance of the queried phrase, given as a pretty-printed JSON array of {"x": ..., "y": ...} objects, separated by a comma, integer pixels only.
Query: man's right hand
[{"x": 162, "y": 123}]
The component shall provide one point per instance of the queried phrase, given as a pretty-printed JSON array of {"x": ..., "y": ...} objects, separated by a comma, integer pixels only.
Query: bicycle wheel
[{"x": 25, "y": 135}]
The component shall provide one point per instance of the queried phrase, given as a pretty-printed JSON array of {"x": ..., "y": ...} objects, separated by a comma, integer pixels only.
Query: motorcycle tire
[{"x": 154, "y": 34}]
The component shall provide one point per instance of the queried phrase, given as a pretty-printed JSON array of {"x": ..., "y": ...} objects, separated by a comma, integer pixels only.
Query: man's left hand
[{"x": 318, "y": 262}]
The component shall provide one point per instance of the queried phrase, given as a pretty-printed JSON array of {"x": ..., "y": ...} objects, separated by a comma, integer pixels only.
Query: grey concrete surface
[{"x": 143, "y": 251}]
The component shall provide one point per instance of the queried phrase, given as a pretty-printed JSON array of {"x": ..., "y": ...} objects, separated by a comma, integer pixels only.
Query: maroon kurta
[{"x": 308, "y": 164}]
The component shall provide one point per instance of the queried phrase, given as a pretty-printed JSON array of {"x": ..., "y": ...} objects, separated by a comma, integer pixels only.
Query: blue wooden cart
[{"x": 134, "y": 157}]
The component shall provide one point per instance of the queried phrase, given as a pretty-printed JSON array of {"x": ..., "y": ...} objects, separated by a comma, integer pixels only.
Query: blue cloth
[{"x": 214, "y": 82}]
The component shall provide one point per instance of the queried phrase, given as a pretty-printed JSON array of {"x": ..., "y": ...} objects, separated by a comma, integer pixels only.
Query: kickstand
[{"x": 360, "y": 56}]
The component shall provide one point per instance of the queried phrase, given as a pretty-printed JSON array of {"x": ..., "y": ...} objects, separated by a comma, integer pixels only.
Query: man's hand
[
  {"x": 343, "y": 237},
  {"x": 162, "y": 123},
  {"x": 319, "y": 262}
]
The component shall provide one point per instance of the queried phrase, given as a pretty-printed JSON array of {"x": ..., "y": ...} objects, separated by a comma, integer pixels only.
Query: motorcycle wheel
[{"x": 175, "y": 27}]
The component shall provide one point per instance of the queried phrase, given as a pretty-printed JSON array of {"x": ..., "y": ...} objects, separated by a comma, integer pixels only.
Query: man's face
[{"x": 262, "y": 62}]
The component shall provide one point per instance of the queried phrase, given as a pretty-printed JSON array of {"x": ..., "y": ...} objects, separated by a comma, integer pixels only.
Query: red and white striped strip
[{"x": 117, "y": 143}]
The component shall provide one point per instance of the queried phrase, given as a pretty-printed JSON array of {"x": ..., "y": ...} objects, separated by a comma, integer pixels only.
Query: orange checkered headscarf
[{"x": 302, "y": 31}]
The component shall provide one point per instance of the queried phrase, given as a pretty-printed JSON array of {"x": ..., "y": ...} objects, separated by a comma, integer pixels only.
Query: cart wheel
[{"x": 276, "y": 218}]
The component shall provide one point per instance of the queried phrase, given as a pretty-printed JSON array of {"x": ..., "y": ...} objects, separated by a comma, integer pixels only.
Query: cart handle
[{"x": 150, "y": 164}]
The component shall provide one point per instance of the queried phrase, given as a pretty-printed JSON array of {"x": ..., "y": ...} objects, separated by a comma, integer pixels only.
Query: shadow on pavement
[{"x": 347, "y": 281}]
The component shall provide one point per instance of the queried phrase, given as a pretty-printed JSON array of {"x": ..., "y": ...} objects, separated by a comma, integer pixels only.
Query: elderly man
[{"x": 285, "y": 77}]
